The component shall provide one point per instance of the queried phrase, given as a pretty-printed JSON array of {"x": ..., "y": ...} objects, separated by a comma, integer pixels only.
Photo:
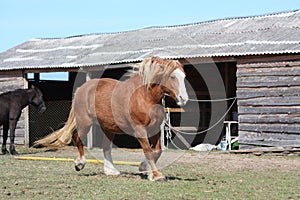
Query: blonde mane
[{"x": 153, "y": 69}]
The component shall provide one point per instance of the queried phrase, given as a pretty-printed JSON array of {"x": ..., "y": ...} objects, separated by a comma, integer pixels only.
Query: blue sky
[{"x": 21, "y": 20}]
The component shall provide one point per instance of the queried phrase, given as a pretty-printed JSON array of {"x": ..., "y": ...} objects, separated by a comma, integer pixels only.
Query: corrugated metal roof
[{"x": 256, "y": 35}]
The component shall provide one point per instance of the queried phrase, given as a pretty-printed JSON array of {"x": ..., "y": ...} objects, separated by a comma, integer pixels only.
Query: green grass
[{"x": 58, "y": 180}]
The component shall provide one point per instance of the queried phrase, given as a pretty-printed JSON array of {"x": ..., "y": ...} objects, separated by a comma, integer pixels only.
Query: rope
[
  {"x": 201, "y": 132},
  {"x": 207, "y": 100},
  {"x": 72, "y": 160},
  {"x": 212, "y": 100},
  {"x": 177, "y": 146}
]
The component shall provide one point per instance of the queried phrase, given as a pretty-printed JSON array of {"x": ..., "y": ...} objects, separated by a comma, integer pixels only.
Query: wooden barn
[{"x": 255, "y": 59}]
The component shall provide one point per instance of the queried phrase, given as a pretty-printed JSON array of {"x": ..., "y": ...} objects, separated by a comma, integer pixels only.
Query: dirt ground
[{"x": 216, "y": 159}]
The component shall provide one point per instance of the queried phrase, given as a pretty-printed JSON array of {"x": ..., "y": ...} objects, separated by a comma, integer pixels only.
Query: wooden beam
[
  {"x": 269, "y": 118},
  {"x": 179, "y": 110},
  {"x": 201, "y": 60},
  {"x": 275, "y": 71},
  {"x": 270, "y": 127},
  {"x": 270, "y": 101},
  {"x": 259, "y": 151},
  {"x": 248, "y": 93},
  {"x": 269, "y": 109},
  {"x": 267, "y": 58},
  {"x": 278, "y": 81}
]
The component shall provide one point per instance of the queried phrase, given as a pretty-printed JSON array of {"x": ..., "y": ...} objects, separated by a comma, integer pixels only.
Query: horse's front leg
[
  {"x": 141, "y": 135},
  {"x": 155, "y": 141},
  {"x": 5, "y": 136},
  {"x": 12, "y": 128}
]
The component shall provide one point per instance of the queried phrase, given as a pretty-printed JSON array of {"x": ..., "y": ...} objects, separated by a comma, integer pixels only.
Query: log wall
[
  {"x": 9, "y": 82},
  {"x": 269, "y": 104}
]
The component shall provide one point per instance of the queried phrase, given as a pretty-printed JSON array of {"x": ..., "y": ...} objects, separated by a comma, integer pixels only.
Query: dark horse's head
[{"x": 36, "y": 99}]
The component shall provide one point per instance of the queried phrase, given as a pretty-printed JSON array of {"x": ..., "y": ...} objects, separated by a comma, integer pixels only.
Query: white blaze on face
[{"x": 182, "y": 96}]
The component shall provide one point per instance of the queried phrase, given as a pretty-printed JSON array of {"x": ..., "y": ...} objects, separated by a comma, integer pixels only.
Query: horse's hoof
[
  {"x": 14, "y": 152},
  {"x": 162, "y": 179},
  {"x": 157, "y": 176},
  {"x": 4, "y": 151},
  {"x": 114, "y": 172},
  {"x": 79, "y": 163},
  {"x": 79, "y": 167},
  {"x": 159, "y": 179}
]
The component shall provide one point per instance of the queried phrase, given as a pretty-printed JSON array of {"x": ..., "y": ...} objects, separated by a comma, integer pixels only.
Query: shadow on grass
[
  {"x": 29, "y": 152},
  {"x": 140, "y": 176},
  {"x": 174, "y": 178}
]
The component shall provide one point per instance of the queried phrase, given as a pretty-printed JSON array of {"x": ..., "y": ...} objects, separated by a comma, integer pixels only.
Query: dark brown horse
[
  {"x": 132, "y": 107},
  {"x": 11, "y": 105}
]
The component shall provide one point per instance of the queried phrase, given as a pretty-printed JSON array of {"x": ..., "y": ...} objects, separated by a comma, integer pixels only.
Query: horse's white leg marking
[
  {"x": 109, "y": 168},
  {"x": 80, "y": 163}
]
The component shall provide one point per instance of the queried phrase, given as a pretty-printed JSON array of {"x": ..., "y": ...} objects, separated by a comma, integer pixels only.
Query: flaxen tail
[{"x": 61, "y": 137}]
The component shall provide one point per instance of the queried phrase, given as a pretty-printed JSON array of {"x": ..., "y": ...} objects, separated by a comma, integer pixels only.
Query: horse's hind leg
[
  {"x": 109, "y": 168},
  {"x": 12, "y": 128},
  {"x": 84, "y": 123},
  {"x": 80, "y": 161},
  {"x": 5, "y": 136}
]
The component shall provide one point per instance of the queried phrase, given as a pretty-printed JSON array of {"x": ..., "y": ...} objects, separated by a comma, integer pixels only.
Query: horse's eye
[{"x": 172, "y": 77}]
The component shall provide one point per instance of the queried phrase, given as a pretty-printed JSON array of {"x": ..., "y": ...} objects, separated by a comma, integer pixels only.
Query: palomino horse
[
  {"x": 132, "y": 107},
  {"x": 11, "y": 105}
]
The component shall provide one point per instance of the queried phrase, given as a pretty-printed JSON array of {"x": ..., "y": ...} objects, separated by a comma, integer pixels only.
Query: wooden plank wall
[
  {"x": 9, "y": 82},
  {"x": 269, "y": 104}
]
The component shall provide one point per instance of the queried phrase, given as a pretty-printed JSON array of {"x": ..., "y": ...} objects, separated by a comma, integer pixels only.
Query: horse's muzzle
[
  {"x": 42, "y": 108},
  {"x": 181, "y": 101}
]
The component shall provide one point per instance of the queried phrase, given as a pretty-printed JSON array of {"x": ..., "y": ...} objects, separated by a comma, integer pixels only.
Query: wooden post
[
  {"x": 26, "y": 115},
  {"x": 90, "y": 133},
  {"x": 227, "y": 85}
]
